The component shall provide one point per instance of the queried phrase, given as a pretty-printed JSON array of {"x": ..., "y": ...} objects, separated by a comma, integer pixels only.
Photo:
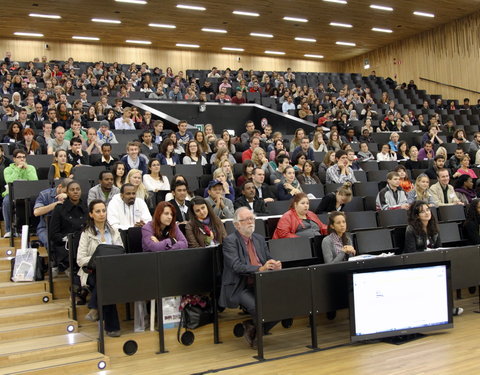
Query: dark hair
[
  {"x": 215, "y": 222},
  {"x": 172, "y": 228},
  {"x": 90, "y": 223},
  {"x": 297, "y": 198},
  {"x": 19, "y": 135},
  {"x": 102, "y": 173},
  {"x": 298, "y": 156},
  {"x": 179, "y": 183},
  {"x": 439, "y": 157},
  {"x": 414, "y": 220},
  {"x": 114, "y": 171},
  {"x": 246, "y": 164},
  {"x": 18, "y": 151},
  {"x": 150, "y": 162},
  {"x": 163, "y": 147},
  {"x": 281, "y": 158},
  {"x": 340, "y": 153},
  {"x": 173, "y": 181},
  {"x": 75, "y": 140},
  {"x": 461, "y": 180},
  {"x": 128, "y": 184},
  {"x": 106, "y": 145},
  {"x": 331, "y": 221},
  {"x": 472, "y": 214}
]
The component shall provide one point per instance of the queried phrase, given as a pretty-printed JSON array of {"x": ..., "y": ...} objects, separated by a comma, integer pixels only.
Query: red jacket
[{"x": 289, "y": 222}]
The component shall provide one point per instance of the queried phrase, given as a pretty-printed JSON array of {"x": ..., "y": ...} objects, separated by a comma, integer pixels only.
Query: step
[
  {"x": 11, "y": 288},
  {"x": 25, "y": 300},
  {"x": 5, "y": 275},
  {"x": 33, "y": 313},
  {"x": 61, "y": 287},
  {"x": 6, "y": 263},
  {"x": 47, "y": 348},
  {"x": 6, "y": 242},
  {"x": 71, "y": 365},
  {"x": 10, "y": 332}
]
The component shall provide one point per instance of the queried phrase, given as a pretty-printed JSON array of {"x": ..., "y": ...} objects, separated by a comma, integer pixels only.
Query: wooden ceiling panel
[{"x": 77, "y": 15}]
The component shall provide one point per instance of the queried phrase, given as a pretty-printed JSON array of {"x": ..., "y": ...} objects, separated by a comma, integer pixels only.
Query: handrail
[{"x": 448, "y": 85}]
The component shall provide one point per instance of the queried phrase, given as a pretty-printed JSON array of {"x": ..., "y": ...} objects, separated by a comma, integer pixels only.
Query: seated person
[
  {"x": 250, "y": 200},
  {"x": 221, "y": 206},
  {"x": 392, "y": 197},
  {"x": 335, "y": 201},
  {"x": 386, "y": 154},
  {"x": 422, "y": 230},
  {"x": 254, "y": 143},
  {"x": 337, "y": 246},
  {"x": 204, "y": 228},
  {"x": 413, "y": 162},
  {"x": 277, "y": 176},
  {"x": 308, "y": 175},
  {"x": 193, "y": 154},
  {"x": 444, "y": 193},
  {"x": 471, "y": 225},
  {"x": 438, "y": 163},
  {"x": 133, "y": 160},
  {"x": 75, "y": 156},
  {"x": 247, "y": 169},
  {"x": 155, "y": 181},
  {"x": 227, "y": 188},
  {"x": 261, "y": 188},
  {"x": 455, "y": 162},
  {"x": 105, "y": 190},
  {"x": 97, "y": 231},
  {"x": 340, "y": 172},
  {"x": 464, "y": 168},
  {"x": 421, "y": 191},
  {"x": 167, "y": 155},
  {"x": 180, "y": 201},
  {"x": 290, "y": 187},
  {"x": 92, "y": 146},
  {"x": 148, "y": 147},
  {"x": 104, "y": 134},
  {"x": 305, "y": 148},
  {"x": 298, "y": 221},
  {"x": 107, "y": 160},
  {"x": 464, "y": 189},
  {"x": 427, "y": 152},
  {"x": 125, "y": 210},
  {"x": 405, "y": 182},
  {"x": 60, "y": 168},
  {"x": 162, "y": 233},
  {"x": 237, "y": 287}
]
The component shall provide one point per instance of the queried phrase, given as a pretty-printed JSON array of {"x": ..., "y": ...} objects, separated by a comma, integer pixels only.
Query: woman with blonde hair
[
  {"x": 220, "y": 155},
  {"x": 421, "y": 191},
  {"x": 318, "y": 144},
  {"x": 259, "y": 158},
  {"x": 134, "y": 177}
]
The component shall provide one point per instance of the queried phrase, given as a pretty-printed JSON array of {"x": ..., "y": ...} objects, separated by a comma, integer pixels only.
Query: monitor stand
[{"x": 399, "y": 340}]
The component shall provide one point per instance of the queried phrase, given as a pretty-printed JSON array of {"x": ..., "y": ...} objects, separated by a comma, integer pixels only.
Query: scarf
[
  {"x": 337, "y": 242},
  {"x": 133, "y": 164},
  {"x": 469, "y": 193}
]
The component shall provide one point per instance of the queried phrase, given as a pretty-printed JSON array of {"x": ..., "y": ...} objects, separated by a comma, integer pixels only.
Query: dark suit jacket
[
  {"x": 236, "y": 264},
  {"x": 179, "y": 217},
  {"x": 258, "y": 204},
  {"x": 266, "y": 192}
]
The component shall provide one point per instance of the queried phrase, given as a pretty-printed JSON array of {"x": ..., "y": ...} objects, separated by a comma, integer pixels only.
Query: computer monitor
[{"x": 400, "y": 300}]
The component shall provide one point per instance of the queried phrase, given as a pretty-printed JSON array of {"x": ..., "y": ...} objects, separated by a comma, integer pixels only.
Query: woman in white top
[
  {"x": 155, "y": 181},
  {"x": 318, "y": 144},
  {"x": 194, "y": 156},
  {"x": 125, "y": 122},
  {"x": 134, "y": 177},
  {"x": 386, "y": 154}
]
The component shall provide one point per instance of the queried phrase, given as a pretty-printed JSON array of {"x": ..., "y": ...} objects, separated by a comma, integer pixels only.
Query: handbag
[
  {"x": 197, "y": 311},
  {"x": 104, "y": 250}
]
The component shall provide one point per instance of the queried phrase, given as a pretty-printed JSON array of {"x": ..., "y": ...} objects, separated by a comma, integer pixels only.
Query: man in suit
[
  {"x": 179, "y": 201},
  {"x": 261, "y": 188},
  {"x": 250, "y": 200},
  {"x": 244, "y": 252}
]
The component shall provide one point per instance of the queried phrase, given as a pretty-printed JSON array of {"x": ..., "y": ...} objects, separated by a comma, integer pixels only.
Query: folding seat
[
  {"x": 362, "y": 220},
  {"x": 369, "y": 166},
  {"x": 450, "y": 234},
  {"x": 289, "y": 249},
  {"x": 451, "y": 213},
  {"x": 387, "y": 165},
  {"x": 361, "y": 176},
  {"x": 278, "y": 207},
  {"x": 189, "y": 170},
  {"x": 87, "y": 173},
  {"x": 392, "y": 218},
  {"x": 374, "y": 241},
  {"x": 378, "y": 176},
  {"x": 365, "y": 189},
  {"x": 356, "y": 204},
  {"x": 316, "y": 189}
]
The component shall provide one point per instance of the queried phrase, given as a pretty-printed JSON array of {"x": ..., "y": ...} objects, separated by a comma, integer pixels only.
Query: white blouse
[{"x": 153, "y": 185}]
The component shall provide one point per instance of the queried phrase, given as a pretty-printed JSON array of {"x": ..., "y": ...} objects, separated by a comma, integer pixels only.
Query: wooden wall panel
[
  {"x": 448, "y": 54},
  {"x": 177, "y": 59}
]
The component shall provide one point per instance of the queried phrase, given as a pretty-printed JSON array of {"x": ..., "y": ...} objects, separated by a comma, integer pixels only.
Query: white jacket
[{"x": 122, "y": 216}]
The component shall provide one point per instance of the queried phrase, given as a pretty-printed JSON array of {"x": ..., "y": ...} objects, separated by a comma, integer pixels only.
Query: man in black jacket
[
  {"x": 179, "y": 192},
  {"x": 249, "y": 200},
  {"x": 261, "y": 188}
]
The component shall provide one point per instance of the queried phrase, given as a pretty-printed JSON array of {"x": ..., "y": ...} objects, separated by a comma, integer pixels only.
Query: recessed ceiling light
[
  {"x": 381, "y": 7},
  {"x": 27, "y": 34},
  {"x": 262, "y": 35},
  {"x": 138, "y": 41},
  {"x": 311, "y": 40},
  {"x": 242, "y": 13},
  {"x": 220, "y": 31},
  {"x": 423, "y": 14},
  {"x": 53, "y": 16},
  {"x": 85, "y": 37},
  {"x": 191, "y": 7},
  {"x": 187, "y": 45},
  {"x": 165, "y": 26},
  {"x": 275, "y": 52},
  {"x": 336, "y": 1},
  {"x": 132, "y": 1},
  {"x": 233, "y": 49},
  {"x": 382, "y": 30},
  {"x": 295, "y": 19},
  {"x": 314, "y": 56},
  {"x": 345, "y": 44},
  {"x": 338, "y": 24},
  {"x": 103, "y": 20}
]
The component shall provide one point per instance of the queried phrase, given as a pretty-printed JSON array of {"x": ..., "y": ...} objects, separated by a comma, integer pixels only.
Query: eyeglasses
[
  {"x": 248, "y": 219},
  {"x": 21, "y": 157}
]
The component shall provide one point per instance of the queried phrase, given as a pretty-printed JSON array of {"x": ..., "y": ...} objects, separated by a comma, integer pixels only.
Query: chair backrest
[
  {"x": 449, "y": 233},
  {"x": 189, "y": 170},
  {"x": 278, "y": 207},
  {"x": 387, "y": 165},
  {"x": 134, "y": 240},
  {"x": 380, "y": 175},
  {"x": 369, "y": 166},
  {"x": 28, "y": 189},
  {"x": 361, "y": 220},
  {"x": 315, "y": 189},
  {"x": 360, "y": 176},
  {"x": 451, "y": 213},
  {"x": 356, "y": 204},
  {"x": 373, "y": 241},
  {"x": 392, "y": 218},
  {"x": 365, "y": 189},
  {"x": 40, "y": 161},
  {"x": 330, "y": 188},
  {"x": 87, "y": 173},
  {"x": 287, "y": 249}
]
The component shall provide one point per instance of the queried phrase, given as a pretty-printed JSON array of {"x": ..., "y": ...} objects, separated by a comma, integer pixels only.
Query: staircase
[{"x": 37, "y": 335}]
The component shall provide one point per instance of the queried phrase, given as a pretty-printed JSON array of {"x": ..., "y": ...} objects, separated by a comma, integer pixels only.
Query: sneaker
[
  {"x": 114, "y": 334},
  {"x": 7, "y": 235},
  {"x": 92, "y": 315},
  {"x": 457, "y": 311},
  {"x": 54, "y": 272}
]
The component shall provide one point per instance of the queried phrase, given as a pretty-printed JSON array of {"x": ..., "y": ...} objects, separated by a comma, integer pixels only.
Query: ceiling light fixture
[
  {"x": 346, "y": 44},
  {"x": 132, "y": 1},
  {"x": 382, "y": 30},
  {"x": 18, "y": 33},
  {"x": 336, "y": 1},
  {"x": 381, "y": 7},
  {"x": 138, "y": 41},
  {"x": 314, "y": 56},
  {"x": 52, "y": 16},
  {"x": 233, "y": 49},
  {"x": 295, "y": 19},
  {"x": 85, "y": 37},
  {"x": 311, "y": 40},
  {"x": 424, "y": 14},
  {"x": 187, "y": 45},
  {"x": 219, "y": 31},
  {"x": 338, "y": 24},
  {"x": 275, "y": 52},
  {"x": 163, "y": 25},
  {"x": 249, "y": 14},
  {"x": 190, "y": 7},
  {"x": 262, "y": 35},
  {"x": 103, "y": 20}
]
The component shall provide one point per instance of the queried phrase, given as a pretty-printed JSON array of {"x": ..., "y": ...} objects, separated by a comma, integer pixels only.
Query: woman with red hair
[
  {"x": 162, "y": 233},
  {"x": 28, "y": 144},
  {"x": 299, "y": 221}
]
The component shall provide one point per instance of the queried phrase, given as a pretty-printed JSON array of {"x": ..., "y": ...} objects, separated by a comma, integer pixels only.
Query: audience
[
  {"x": 180, "y": 201},
  {"x": 422, "y": 230},
  {"x": 392, "y": 196},
  {"x": 335, "y": 201},
  {"x": 471, "y": 226},
  {"x": 421, "y": 191},
  {"x": 340, "y": 172},
  {"x": 338, "y": 245},
  {"x": 217, "y": 199},
  {"x": 205, "y": 227},
  {"x": 119, "y": 175},
  {"x": 444, "y": 193},
  {"x": 290, "y": 186},
  {"x": 250, "y": 200},
  {"x": 464, "y": 189},
  {"x": 154, "y": 181},
  {"x": 125, "y": 210},
  {"x": 105, "y": 190}
]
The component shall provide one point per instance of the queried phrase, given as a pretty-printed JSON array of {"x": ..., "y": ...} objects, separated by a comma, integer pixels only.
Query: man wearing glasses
[
  {"x": 244, "y": 252},
  {"x": 18, "y": 170}
]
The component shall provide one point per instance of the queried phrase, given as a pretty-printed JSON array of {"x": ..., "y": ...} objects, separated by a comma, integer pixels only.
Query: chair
[
  {"x": 361, "y": 176},
  {"x": 315, "y": 189},
  {"x": 369, "y": 166},
  {"x": 356, "y": 204},
  {"x": 189, "y": 170},
  {"x": 362, "y": 220},
  {"x": 278, "y": 207},
  {"x": 380, "y": 175},
  {"x": 288, "y": 249},
  {"x": 392, "y": 218},
  {"x": 134, "y": 240},
  {"x": 365, "y": 189},
  {"x": 451, "y": 213},
  {"x": 330, "y": 188},
  {"x": 270, "y": 225},
  {"x": 373, "y": 241},
  {"x": 87, "y": 172},
  {"x": 387, "y": 165},
  {"x": 450, "y": 234},
  {"x": 319, "y": 156}
]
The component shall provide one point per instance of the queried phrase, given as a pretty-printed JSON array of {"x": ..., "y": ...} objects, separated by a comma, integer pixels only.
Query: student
[
  {"x": 422, "y": 230},
  {"x": 392, "y": 197},
  {"x": 105, "y": 190},
  {"x": 337, "y": 246},
  {"x": 250, "y": 200},
  {"x": 335, "y": 201},
  {"x": 183, "y": 136},
  {"x": 222, "y": 207},
  {"x": 472, "y": 222},
  {"x": 75, "y": 156},
  {"x": 421, "y": 191},
  {"x": 444, "y": 193},
  {"x": 340, "y": 172},
  {"x": 180, "y": 202},
  {"x": 133, "y": 160},
  {"x": 290, "y": 187},
  {"x": 107, "y": 160},
  {"x": 155, "y": 181}
]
